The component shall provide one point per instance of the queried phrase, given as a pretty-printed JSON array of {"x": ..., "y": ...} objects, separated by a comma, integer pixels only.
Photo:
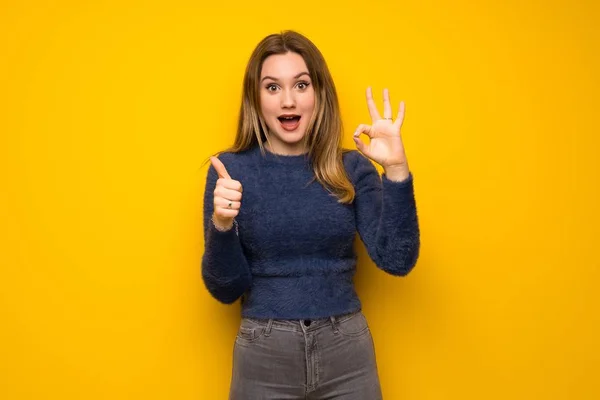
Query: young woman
[{"x": 281, "y": 210}]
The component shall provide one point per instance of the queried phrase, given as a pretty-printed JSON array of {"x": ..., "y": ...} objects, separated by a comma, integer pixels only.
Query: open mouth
[{"x": 289, "y": 122}]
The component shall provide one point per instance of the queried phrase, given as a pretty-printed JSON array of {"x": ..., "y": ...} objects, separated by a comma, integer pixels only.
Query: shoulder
[
  {"x": 357, "y": 165},
  {"x": 235, "y": 162},
  {"x": 354, "y": 158},
  {"x": 235, "y": 158}
]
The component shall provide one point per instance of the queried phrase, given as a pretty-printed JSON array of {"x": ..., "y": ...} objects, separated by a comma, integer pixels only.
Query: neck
[{"x": 296, "y": 151}]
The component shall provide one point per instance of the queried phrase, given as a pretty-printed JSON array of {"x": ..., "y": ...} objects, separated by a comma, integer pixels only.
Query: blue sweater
[{"x": 291, "y": 255}]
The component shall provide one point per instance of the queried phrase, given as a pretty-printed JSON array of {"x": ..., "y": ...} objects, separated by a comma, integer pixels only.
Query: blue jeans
[{"x": 330, "y": 358}]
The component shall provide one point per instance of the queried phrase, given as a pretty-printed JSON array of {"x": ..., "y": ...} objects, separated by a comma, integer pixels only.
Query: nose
[{"x": 288, "y": 99}]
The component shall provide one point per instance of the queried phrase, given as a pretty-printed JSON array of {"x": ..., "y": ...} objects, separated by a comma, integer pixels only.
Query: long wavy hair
[{"x": 323, "y": 137}]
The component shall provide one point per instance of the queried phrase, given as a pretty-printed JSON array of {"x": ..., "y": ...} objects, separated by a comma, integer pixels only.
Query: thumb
[
  {"x": 363, "y": 148},
  {"x": 220, "y": 168}
]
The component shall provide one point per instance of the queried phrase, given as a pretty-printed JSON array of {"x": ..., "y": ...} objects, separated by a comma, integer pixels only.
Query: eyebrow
[{"x": 296, "y": 77}]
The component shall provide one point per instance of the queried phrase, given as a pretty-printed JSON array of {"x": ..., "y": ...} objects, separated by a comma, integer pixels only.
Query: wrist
[
  {"x": 222, "y": 225},
  {"x": 397, "y": 173}
]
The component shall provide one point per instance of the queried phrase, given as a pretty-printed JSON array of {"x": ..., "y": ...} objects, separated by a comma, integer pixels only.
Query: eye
[
  {"x": 271, "y": 87},
  {"x": 303, "y": 85}
]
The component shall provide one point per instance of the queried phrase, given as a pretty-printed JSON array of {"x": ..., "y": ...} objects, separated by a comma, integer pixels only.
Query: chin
[{"x": 292, "y": 141}]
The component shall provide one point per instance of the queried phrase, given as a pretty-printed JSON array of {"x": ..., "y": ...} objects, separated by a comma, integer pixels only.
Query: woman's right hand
[{"x": 227, "y": 197}]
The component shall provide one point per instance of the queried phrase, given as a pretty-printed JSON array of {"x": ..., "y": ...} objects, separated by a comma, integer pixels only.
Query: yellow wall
[{"x": 108, "y": 109}]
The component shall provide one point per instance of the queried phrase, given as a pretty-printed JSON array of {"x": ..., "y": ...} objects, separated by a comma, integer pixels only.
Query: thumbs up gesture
[{"x": 227, "y": 197}]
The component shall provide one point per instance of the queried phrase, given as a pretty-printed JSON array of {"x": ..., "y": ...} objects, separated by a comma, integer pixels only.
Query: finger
[
  {"x": 363, "y": 128},
  {"x": 229, "y": 184},
  {"x": 400, "y": 117},
  {"x": 224, "y": 203},
  {"x": 226, "y": 213},
  {"x": 372, "y": 106},
  {"x": 361, "y": 146},
  {"x": 220, "y": 168},
  {"x": 387, "y": 106},
  {"x": 228, "y": 194}
]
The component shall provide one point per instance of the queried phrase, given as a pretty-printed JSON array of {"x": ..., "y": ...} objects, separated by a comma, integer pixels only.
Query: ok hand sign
[{"x": 385, "y": 147}]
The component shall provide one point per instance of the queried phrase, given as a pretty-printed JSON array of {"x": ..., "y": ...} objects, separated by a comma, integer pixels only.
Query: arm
[
  {"x": 386, "y": 218},
  {"x": 225, "y": 270}
]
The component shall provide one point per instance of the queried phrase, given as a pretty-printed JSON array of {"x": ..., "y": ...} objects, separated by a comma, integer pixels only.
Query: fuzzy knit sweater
[{"x": 291, "y": 253}]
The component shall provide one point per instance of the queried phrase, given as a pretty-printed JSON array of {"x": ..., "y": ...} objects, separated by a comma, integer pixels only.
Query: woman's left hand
[{"x": 385, "y": 147}]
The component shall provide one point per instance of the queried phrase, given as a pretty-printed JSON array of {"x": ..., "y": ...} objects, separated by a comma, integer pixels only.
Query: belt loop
[
  {"x": 334, "y": 324},
  {"x": 268, "y": 328}
]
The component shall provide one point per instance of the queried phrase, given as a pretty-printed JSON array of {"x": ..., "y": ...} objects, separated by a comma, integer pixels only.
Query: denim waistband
[{"x": 298, "y": 325}]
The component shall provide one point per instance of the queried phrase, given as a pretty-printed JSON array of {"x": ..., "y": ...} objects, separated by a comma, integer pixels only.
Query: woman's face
[{"x": 287, "y": 101}]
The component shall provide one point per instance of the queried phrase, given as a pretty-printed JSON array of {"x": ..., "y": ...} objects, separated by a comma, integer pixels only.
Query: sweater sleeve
[
  {"x": 386, "y": 218},
  {"x": 225, "y": 270}
]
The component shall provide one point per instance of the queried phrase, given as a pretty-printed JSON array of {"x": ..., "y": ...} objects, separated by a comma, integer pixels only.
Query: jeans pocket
[
  {"x": 249, "y": 332},
  {"x": 246, "y": 333},
  {"x": 354, "y": 326}
]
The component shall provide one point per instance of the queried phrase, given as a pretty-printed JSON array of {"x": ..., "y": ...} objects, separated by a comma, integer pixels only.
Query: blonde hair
[{"x": 323, "y": 137}]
